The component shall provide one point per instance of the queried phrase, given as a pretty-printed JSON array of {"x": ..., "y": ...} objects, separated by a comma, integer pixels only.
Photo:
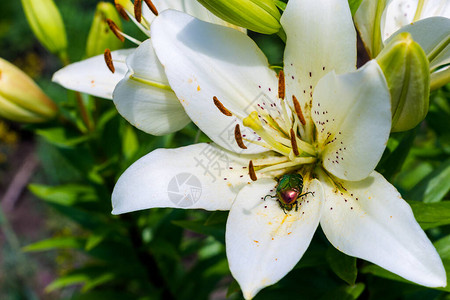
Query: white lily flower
[
  {"x": 377, "y": 21},
  {"x": 323, "y": 120},
  {"x": 143, "y": 87}
]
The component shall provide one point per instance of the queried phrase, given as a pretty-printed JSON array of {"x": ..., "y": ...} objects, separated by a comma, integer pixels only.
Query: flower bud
[
  {"x": 100, "y": 36},
  {"x": 21, "y": 100},
  {"x": 406, "y": 68},
  {"x": 47, "y": 25},
  {"x": 257, "y": 15}
]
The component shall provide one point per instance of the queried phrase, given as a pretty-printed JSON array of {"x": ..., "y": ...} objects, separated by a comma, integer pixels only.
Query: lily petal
[
  {"x": 144, "y": 96},
  {"x": 399, "y": 13},
  {"x": 352, "y": 113},
  {"x": 92, "y": 76},
  {"x": 369, "y": 219},
  {"x": 315, "y": 48},
  {"x": 197, "y": 176},
  {"x": 203, "y": 61},
  {"x": 263, "y": 242},
  {"x": 432, "y": 44}
]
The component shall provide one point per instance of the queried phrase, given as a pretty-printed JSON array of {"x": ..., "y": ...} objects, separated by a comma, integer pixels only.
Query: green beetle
[{"x": 289, "y": 189}]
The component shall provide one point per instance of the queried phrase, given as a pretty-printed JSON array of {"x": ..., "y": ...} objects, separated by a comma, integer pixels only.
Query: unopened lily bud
[
  {"x": 21, "y": 100},
  {"x": 406, "y": 68},
  {"x": 47, "y": 25},
  {"x": 100, "y": 35},
  {"x": 257, "y": 15}
]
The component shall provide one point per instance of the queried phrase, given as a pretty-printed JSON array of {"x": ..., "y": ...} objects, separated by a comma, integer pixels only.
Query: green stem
[
  {"x": 376, "y": 34},
  {"x": 83, "y": 112},
  {"x": 418, "y": 10}
]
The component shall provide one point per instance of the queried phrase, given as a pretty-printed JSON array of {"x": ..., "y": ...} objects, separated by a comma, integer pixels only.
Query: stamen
[
  {"x": 222, "y": 108},
  {"x": 294, "y": 142},
  {"x": 115, "y": 30},
  {"x": 297, "y": 161},
  {"x": 281, "y": 85},
  {"x": 122, "y": 12},
  {"x": 238, "y": 137},
  {"x": 253, "y": 122},
  {"x": 251, "y": 171},
  {"x": 298, "y": 110},
  {"x": 151, "y": 7},
  {"x": 138, "y": 10},
  {"x": 109, "y": 61}
]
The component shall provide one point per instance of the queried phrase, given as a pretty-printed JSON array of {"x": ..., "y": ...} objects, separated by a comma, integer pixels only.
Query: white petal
[
  {"x": 320, "y": 38},
  {"x": 420, "y": 32},
  {"x": 263, "y": 242},
  {"x": 92, "y": 76},
  {"x": 197, "y": 176},
  {"x": 352, "y": 113},
  {"x": 399, "y": 13},
  {"x": 150, "y": 105},
  {"x": 365, "y": 23},
  {"x": 369, "y": 219},
  {"x": 204, "y": 60}
]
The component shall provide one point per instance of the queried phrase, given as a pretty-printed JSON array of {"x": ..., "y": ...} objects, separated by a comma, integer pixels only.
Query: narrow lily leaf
[
  {"x": 431, "y": 215},
  {"x": 217, "y": 231},
  {"x": 391, "y": 162},
  {"x": 130, "y": 143},
  {"x": 55, "y": 243},
  {"x": 434, "y": 187},
  {"x": 443, "y": 247},
  {"x": 64, "y": 194},
  {"x": 61, "y": 137},
  {"x": 345, "y": 292},
  {"x": 343, "y": 266}
]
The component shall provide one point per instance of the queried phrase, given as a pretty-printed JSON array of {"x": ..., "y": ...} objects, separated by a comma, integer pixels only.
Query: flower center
[{"x": 278, "y": 130}]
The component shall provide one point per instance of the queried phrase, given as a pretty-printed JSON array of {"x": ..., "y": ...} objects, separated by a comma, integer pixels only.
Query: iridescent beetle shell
[{"x": 289, "y": 189}]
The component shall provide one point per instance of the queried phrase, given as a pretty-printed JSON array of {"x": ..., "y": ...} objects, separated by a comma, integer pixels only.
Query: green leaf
[
  {"x": 93, "y": 241},
  {"x": 345, "y": 292},
  {"x": 64, "y": 194},
  {"x": 354, "y": 5},
  {"x": 433, "y": 187},
  {"x": 61, "y": 137},
  {"x": 431, "y": 215},
  {"x": 396, "y": 153},
  {"x": 343, "y": 266},
  {"x": 443, "y": 247},
  {"x": 55, "y": 243},
  {"x": 217, "y": 231},
  {"x": 130, "y": 143}
]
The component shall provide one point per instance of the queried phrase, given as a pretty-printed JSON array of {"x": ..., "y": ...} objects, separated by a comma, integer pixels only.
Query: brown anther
[
  {"x": 281, "y": 85},
  {"x": 298, "y": 110},
  {"x": 251, "y": 171},
  {"x": 108, "y": 60},
  {"x": 238, "y": 137},
  {"x": 122, "y": 11},
  {"x": 151, "y": 7},
  {"x": 222, "y": 108},
  {"x": 115, "y": 30},
  {"x": 294, "y": 142},
  {"x": 138, "y": 10}
]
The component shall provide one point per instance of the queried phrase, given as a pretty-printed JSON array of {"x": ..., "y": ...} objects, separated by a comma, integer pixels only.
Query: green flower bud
[
  {"x": 257, "y": 15},
  {"x": 21, "y": 100},
  {"x": 100, "y": 36},
  {"x": 47, "y": 25},
  {"x": 406, "y": 68}
]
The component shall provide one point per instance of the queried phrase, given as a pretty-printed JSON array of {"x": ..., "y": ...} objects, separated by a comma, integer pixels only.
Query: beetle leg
[
  {"x": 296, "y": 205},
  {"x": 306, "y": 194},
  {"x": 270, "y": 197}
]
